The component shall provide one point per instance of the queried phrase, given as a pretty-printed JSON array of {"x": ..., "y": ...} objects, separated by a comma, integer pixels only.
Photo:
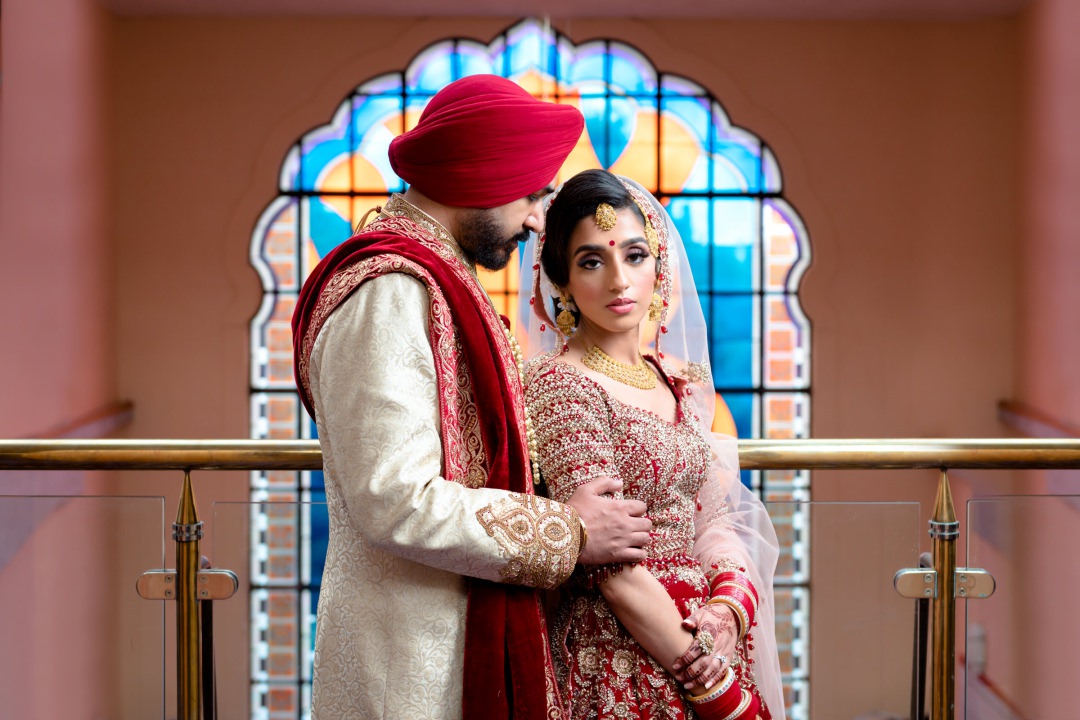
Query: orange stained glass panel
[
  {"x": 279, "y": 339},
  {"x": 282, "y": 410},
  {"x": 781, "y": 340},
  {"x": 778, "y": 311},
  {"x": 281, "y": 699},
  {"x": 281, "y": 507},
  {"x": 781, "y": 410},
  {"x": 280, "y": 370},
  {"x": 283, "y": 309},
  {"x": 282, "y": 536},
  {"x": 778, "y": 275},
  {"x": 282, "y": 567},
  {"x": 282, "y": 605},
  {"x": 781, "y": 371}
]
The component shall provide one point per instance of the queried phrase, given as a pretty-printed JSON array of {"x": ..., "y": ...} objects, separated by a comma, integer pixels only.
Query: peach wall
[
  {"x": 898, "y": 144},
  {"x": 53, "y": 227},
  {"x": 1048, "y": 345},
  {"x": 56, "y": 360}
]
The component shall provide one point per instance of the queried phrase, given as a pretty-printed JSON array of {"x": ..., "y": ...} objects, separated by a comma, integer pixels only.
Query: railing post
[
  {"x": 187, "y": 532},
  {"x": 944, "y": 529}
]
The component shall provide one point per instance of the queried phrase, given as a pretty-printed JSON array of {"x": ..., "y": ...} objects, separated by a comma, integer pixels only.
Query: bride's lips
[{"x": 621, "y": 305}]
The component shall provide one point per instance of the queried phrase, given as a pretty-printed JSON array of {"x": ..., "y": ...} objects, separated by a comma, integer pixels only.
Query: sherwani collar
[{"x": 398, "y": 206}]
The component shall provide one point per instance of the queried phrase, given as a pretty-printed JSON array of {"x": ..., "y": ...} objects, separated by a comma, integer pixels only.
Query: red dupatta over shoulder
[{"x": 508, "y": 669}]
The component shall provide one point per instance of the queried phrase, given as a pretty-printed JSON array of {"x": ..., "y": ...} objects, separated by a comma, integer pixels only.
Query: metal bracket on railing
[
  {"x": 974, "y": 583},
  {"x": 969, "y": 583},
  {"x": 209, "y": 585},
  {"x": 916, "y": 583}
]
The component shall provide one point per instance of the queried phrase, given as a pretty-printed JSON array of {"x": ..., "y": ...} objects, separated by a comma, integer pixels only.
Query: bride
[{"x": 620, "y": 386}]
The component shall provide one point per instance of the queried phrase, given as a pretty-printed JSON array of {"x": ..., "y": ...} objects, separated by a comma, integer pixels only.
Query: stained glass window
[{"x": 722, "y": 186}]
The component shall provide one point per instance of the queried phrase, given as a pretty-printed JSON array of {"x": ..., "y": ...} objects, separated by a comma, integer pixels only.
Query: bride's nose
[{"x": 618, "y": 280}]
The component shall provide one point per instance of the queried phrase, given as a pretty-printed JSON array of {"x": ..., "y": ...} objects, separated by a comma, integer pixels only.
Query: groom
[{"x": 428, "y": 607}]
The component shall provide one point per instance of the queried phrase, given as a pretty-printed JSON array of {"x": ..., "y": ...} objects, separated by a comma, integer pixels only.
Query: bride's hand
[{"x": 715, "y": 628}]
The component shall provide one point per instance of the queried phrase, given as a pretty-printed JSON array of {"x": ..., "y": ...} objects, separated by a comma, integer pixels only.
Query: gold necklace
[
  {"x": 638, "y": 375},
  {"x": 530, "y": 435}
]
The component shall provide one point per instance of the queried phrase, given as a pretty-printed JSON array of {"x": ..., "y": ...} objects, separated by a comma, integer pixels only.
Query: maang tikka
[{"x": 605, "y": 217}]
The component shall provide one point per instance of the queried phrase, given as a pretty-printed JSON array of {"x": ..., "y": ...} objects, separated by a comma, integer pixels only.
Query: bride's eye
[
  {"x": 589, "y": 263},
  {"x": 636, "y": 256}
]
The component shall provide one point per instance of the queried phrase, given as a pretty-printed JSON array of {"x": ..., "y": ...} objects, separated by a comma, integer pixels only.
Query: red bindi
[{"x": 611, "y": 243}]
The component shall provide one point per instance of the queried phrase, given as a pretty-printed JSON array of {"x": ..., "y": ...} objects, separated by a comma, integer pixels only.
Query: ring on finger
[
  {"x": 721, "y": 657},
  {"x": 705, "y": 641}
]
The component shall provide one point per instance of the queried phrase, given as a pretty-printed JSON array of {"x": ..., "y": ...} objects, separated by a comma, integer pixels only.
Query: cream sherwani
[{"x": 391, "y": 616}]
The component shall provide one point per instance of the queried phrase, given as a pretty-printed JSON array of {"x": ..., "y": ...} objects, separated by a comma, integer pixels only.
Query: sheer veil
[{"x": 731, "y": 521}]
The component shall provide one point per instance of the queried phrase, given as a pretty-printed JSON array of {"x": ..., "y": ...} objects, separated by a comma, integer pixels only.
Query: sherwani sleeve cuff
[{"x": 540, "y": 537}]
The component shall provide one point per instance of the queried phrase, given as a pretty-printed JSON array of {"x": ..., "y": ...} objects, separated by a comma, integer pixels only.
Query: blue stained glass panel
[
  {"x": 326, "y": 227},
  {"x": 588, "y": 65},
  {"x": 630, "y": 73},
  {"x": 528, "y": 51},
  {"x": 320, "y": 149},
  {"x": 731, "y": 340},
  {"x": 736, "y": 165},
  {"x": 691, "y": 218},
  {"x": 474, "y": 60},
  {"x": 736, "y": 244},
  {"x": 432, "y": 70},
  {"x": 692, "y": 114},
  {"x": 741, "y": 405}
]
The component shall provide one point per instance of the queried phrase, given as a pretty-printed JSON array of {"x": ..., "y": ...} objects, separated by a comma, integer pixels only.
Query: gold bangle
[
  {"x": 715, "y": 691},
  {"x": 584, "y": 536}
]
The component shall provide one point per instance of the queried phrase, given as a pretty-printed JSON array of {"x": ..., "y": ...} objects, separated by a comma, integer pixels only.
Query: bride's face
[{"x": 612, "y": 273}]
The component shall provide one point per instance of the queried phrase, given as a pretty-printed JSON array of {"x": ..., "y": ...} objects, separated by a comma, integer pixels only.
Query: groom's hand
[{"x": 618, "y": 529}]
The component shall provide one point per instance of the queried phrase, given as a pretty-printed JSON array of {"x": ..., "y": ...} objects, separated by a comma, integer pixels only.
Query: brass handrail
[{"x": 816, "y": 454}]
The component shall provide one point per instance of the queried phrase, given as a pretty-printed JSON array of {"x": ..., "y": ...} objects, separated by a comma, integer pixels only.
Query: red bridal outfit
[{"x": 712, "y": 538}]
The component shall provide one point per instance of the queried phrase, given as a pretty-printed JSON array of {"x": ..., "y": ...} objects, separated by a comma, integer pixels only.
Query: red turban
[{"x": 483, "y": 141}]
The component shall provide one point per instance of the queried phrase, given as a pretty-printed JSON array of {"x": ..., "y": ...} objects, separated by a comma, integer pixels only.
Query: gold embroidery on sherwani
[
  {"x": 538, "y": 536},
  {"x": 463, "y": 451}
]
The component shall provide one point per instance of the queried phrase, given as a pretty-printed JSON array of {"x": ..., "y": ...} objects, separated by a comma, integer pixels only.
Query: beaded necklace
[
  {"x": 530, "y": 435},
  {"x": 638, "y": 375}
]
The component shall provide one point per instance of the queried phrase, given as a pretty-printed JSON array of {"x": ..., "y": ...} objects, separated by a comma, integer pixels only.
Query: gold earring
[
  {"x": 565, "y": 319},
  {"x": 656, "y": 307}
]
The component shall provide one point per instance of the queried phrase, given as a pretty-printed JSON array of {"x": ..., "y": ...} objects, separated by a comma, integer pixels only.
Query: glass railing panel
[
  {"x": 1020, "y": 646},
  {"x": 266, "y": 634},
  {"x": 859, "y": 663},
  {"x": 77, "y": 640}
]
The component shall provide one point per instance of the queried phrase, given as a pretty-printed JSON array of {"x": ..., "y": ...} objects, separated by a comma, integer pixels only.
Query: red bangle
[
  {"x": 738, "y": 578},
  {"x": 741, "y": 596}
]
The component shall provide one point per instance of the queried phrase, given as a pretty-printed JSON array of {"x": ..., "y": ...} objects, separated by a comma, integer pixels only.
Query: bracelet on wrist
[{"x": 583, "y": 535}]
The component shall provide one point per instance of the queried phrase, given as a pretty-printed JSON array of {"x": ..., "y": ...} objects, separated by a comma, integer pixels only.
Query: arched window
[{"x": 722, "y": 186}]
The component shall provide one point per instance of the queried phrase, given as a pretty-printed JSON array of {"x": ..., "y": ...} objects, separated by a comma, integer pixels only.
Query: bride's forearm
[{"x": 643, "y": 606}]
